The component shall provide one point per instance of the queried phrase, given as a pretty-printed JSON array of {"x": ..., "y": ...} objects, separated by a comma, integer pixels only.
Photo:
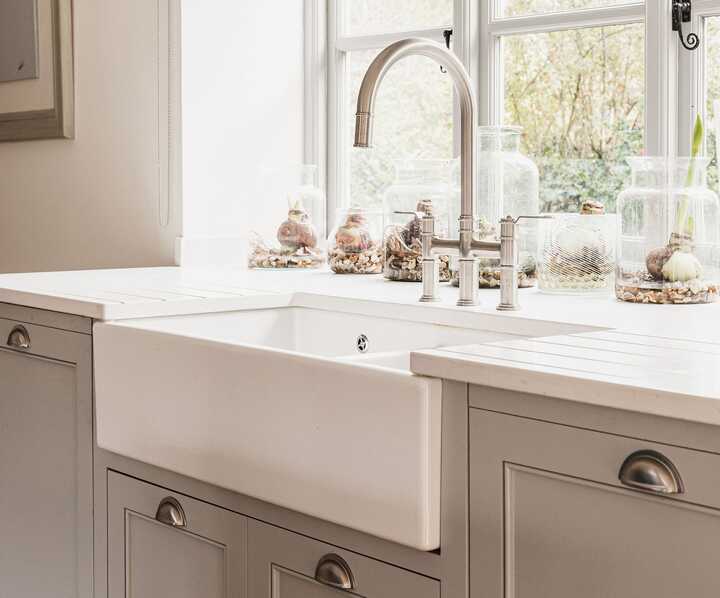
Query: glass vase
[
  {"x": 355, "y": 243},
  {"x": 669, "y": 233},
  {"x": 577, "y": 253},
  {"x": 507, "y": 183}
]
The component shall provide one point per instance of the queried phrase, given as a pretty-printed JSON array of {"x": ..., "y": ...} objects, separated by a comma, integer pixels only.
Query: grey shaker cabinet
[
  {"x": 282, "y": 564},
  {"x": 45, "y": 460},
  {"x": 550, "y": 517},
  {"x": 163, "y": 544}
]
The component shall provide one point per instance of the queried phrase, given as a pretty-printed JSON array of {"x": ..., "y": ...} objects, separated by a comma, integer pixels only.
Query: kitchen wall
[
  {"x": 242, "y": 94},
  {"x": 107, "y": 198},
  {"x": 97, "y": 200}
]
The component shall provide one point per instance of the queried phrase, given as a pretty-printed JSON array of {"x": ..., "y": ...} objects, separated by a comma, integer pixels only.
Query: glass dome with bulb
[
  {"x": 669, "y": 233},
  {"x": 289, "y": 232},
  {"x": 355, "y": 243}
]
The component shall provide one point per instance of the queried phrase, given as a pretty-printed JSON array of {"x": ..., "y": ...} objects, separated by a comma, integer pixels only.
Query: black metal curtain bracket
[{"x": 682, "y": 13}]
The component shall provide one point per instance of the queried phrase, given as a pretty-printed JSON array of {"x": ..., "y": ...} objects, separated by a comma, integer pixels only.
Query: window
[
  {"x": 571, "y": 73},
  {"x": 591, "y": 82},
  {"x": 414, "y": 116}
]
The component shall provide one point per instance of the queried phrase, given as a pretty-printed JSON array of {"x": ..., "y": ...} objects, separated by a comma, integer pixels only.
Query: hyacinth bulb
[
  {"x": 354, "y": 235},
  {"x": 297, "y": 231},
  {"x": 682, "y": 266}
]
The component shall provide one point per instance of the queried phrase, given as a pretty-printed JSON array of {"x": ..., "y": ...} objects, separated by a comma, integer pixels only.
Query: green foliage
[{"x": 579, "y": 96}]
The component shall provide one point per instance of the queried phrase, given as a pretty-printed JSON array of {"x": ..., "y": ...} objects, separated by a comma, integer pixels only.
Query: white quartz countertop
[
  {"x": 655, "y": 359},
  {"x": 649, "y": 374}
]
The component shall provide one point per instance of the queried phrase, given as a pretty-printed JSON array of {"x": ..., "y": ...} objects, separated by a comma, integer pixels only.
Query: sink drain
[{"x": 362, "y": 343}]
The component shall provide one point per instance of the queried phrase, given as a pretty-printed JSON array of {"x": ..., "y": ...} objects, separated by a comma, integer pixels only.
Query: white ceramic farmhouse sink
[{"x": 285, "y": 405}]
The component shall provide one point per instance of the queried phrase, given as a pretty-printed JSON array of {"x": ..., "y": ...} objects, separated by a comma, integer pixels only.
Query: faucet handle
[
  {"x": 411, "y": 213},
  {"x": 509, "y": 218}
]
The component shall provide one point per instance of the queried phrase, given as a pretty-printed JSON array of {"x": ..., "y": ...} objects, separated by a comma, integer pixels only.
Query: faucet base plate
[
  {"x": 502, "y": 307},
  {"x": 467, "y": 303}
]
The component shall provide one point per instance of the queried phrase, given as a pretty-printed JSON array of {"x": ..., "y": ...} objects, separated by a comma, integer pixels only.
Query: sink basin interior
[{"x": 321, "y": 333}]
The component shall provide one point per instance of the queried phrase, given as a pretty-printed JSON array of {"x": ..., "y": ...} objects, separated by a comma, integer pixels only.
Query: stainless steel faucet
[{"x": 466, "y": 244}]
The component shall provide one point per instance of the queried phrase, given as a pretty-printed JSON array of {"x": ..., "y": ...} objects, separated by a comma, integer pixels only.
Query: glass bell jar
[
  {"x": 420, "y": 187},
  {"x": 355, "y": 243},
  {"x": 508, "y": 182},
  {"x": 669, "y": 233},
  {"x": 289, "y": 231},
  {"x": 577, "y": 251}
]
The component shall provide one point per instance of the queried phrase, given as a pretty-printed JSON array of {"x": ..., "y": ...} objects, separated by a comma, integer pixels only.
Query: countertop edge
[{"x": 595, "y": 391}]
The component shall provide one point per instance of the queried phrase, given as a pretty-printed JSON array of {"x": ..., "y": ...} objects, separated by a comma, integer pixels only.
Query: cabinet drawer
[
  {"x": 282, "y": 564},
  {"x": 42, "y": 341},
  {"x": 162, "y": 543},
  {"x": 549, "y": 515}
]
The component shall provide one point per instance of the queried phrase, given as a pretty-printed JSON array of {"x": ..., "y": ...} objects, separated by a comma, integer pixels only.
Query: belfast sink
[{"x": 309, "y": 409}]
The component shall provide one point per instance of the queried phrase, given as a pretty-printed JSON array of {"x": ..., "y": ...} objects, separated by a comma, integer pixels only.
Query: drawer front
[
  {"x": 165, "y": 544},
  {"x": 282, "y": 564},
  {"x": 551, "y": 517},
  {"x": 41, "y": 341}
]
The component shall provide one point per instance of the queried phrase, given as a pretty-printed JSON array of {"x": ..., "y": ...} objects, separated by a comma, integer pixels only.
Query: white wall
[
  {"x": 93, "y": 201},
  {"x": 242, "y": 95}
]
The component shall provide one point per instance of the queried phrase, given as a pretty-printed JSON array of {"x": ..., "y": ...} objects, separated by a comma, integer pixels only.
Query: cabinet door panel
[
  {"x": 147, "y": 558},
  {"x": 162, "y": 560},
  {"x": 550, "y": 518},
  {"x": 45, "y": 468},
  {"x": 569, "y": 537}
]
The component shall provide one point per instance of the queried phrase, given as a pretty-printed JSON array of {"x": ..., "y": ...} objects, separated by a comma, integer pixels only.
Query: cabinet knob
[
  {"x": 171, "y": 513},
  {"x": 652, "y": 472},
  {"x": 19, "y": 338},
  {"x": 333, "y": 571}
]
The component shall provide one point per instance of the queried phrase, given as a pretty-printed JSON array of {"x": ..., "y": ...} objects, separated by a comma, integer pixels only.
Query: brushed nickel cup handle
[
  {"x": 333, "y": 571},
  {"x": 651, "y": 471},
  {"x": 171, "y": 513},
  {"x": 19, "y": 338}
]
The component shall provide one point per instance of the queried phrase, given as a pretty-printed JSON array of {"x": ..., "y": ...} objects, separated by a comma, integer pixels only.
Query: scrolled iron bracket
[{"x": 682, "y": 13}]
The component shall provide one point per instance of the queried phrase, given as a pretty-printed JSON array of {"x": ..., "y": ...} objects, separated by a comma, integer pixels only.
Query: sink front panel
[{"x": 358, "y": 445}]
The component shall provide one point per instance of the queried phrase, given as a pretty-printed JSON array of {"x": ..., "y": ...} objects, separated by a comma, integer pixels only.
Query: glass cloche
[
  {"x": 355, "y": 243},
  {"x": 289, "y": 232},
  {"x": 508, "y": 183},
  {"x": 577, "y": 251},
  {"x": 669, "y": 233}
]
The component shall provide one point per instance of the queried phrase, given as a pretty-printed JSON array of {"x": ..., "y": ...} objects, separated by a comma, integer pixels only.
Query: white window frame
[
  {"x": 338, "y": 45},
  {"x": 674, "y": 83},
  {"x": 692, "y": 74},
  {"x": 660, "y": 57}
]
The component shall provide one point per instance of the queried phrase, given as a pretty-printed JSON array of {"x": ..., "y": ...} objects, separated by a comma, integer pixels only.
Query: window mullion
[
  {"x": 661, "y": 82},
  {"x": 337, "y": 152},
  {"x": 487, "y": 98},
  {"x": 465, "y": 46}
]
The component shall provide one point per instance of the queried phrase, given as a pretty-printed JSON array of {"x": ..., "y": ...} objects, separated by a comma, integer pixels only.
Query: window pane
[
  {"x": 388, "y": 16},
  {"x": 518, "y": 8},
  {"x": 711, "y": 40},
  {"x": 413, "y": 119},
  {"x": 579, "y": 96}
]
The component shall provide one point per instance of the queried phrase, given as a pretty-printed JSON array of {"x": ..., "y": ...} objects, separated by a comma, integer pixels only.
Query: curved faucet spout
[{"x": 366, "y": 103}]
